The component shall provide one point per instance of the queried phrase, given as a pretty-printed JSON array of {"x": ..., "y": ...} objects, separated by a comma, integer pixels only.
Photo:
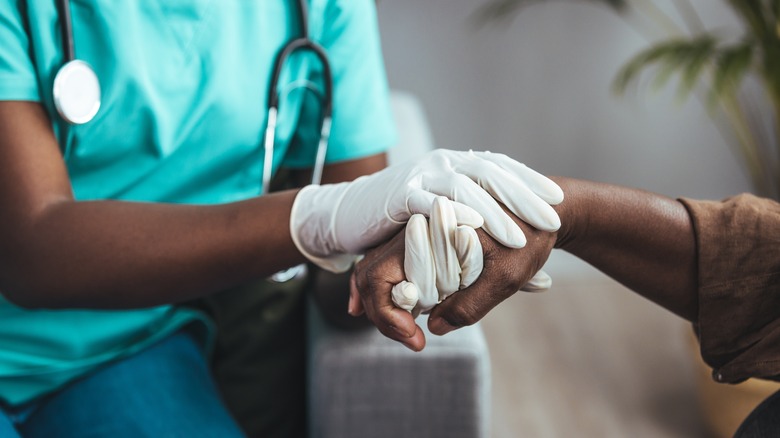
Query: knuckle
[
  {"x": 462, "y": 316},
  {"x": 388, "y": 331},
  {"x": 500, "y": 272},
  {"x": 371, "y": 273},
  {"x": 504, "y": 266},
  {"x": 364, "y": 280}
]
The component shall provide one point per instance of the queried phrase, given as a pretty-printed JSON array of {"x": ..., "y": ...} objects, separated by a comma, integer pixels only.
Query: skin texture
[
  {"x": 56, "y": 252},
  {"x": 645, "y": 241}
]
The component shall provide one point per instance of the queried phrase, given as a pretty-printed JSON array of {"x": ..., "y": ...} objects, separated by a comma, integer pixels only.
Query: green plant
[{"x": 701, "y": 58}]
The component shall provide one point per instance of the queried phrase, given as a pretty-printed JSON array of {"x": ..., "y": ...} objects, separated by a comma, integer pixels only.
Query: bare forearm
[
  {"x": 109, "y": 254},
  {"x": 644, "y": 240}
]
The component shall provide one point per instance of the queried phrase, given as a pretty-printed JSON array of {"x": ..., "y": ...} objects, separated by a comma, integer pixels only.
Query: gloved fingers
[
  {"x": 523, "y": 203},
  {"x": 512, "y": 191},
  {"x": 420, "y": 201},
  {"x": 442, "y": 228},
  {"x": 405, "y": 295},
  {"x": 538, "y": 283},
  {"x": 539, "y": 184},
  {"x": 460, "y": 188},
  {"x": 419, "y": 265},
  {"x": 470, "y": 255}
]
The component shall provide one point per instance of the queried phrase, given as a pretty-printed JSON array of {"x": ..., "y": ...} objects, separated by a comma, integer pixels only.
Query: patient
[{"x": 715, "y": 264}]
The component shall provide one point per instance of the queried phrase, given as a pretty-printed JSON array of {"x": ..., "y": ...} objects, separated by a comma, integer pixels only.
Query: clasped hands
[
  {"x": 427, "y": 262},
  {"x": 385, "y": 282}
]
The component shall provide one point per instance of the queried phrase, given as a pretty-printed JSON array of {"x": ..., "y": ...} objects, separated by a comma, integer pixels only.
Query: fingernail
[
  {"x": 547, "y": 220},
  {"x": 516, "y": 238},
  {"x": 409, "y": 346},
  {"x": 351, "y": 306},
  {"x": 555, "y": 223},
  {"x": 439, "y": 326},
  {"x": 555, "y": 194}
]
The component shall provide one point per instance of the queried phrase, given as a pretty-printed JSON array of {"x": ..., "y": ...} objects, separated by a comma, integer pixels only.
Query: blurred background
[
  {"x": 538, "y": 88},
  {"x": 588, "y": 358}
]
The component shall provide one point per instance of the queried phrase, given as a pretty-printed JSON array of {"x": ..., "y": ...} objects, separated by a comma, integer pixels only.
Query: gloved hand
[
  {"x": 331, "y": 223},
  {"x": 441, "y": 258}
]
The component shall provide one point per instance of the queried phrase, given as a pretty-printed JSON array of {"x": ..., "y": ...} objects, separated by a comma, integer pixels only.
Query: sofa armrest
[{"x": 362, "y": 384}]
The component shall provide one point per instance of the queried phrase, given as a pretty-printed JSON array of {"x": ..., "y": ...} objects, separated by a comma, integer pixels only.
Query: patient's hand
[
  {"x": 505, "y": 271},
  {"x": 371, "y": 292}
]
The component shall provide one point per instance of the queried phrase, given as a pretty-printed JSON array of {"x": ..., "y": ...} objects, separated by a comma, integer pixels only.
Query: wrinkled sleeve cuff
[{"x": 738, "y": 244}]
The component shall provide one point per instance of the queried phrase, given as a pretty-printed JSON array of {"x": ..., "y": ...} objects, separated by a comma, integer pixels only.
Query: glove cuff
[
  {"x": 311, "y": 227},
  {"x": 540, "y": 282}
]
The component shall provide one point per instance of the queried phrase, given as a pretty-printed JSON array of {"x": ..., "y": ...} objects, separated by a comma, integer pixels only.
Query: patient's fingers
[
  {"x": 469, "y": 305},
  {"x": 505, "y": 271},
  {"x": 374, "y": 278}
]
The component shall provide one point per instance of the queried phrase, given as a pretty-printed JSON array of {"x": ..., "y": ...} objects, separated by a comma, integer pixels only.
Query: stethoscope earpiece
[{"x": 76, "y": 92}]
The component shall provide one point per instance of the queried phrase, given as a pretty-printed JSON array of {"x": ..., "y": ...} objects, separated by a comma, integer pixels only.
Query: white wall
[{"x": 539, "y": 90}]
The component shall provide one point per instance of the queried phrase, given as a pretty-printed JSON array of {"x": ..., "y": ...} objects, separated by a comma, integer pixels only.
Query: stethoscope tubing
[
  {"x": 66, "y": 31},
  {"x": 301, "y": 44}
]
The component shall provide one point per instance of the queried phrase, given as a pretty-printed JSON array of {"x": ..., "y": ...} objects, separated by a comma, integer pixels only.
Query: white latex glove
[
  {"x": 441, "y": 258},
  {"x": 331, "y": 223},
  {"x": 540, "y": 282}
]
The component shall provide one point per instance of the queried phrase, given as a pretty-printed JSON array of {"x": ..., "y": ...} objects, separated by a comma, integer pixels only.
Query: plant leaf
[
  {"x": 753, "y": 13},
  {"x": 697, "y": 59},
  {"x": 505, "y": 10},
  {"x": 730, "y": 68},
  {"x": 687, "y": 57}
]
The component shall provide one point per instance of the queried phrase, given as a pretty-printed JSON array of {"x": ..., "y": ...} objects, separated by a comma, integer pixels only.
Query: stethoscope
[
  {"x": 76, "y": 89},
  {"x": 76, "y": 94}
]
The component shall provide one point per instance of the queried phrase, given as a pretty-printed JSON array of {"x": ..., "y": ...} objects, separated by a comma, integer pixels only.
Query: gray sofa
[{"x": 362, "y": 384}]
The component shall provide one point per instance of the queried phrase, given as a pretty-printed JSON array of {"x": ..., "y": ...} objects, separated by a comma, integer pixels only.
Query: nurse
[{"x": 105, "y": 225}]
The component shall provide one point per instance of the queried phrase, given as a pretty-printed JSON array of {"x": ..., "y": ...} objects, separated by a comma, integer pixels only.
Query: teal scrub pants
[{"x": 165, "y": 390}]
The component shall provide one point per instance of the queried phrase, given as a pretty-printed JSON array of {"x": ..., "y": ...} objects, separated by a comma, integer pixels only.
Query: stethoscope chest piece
[{"x": 76, "y": 92}]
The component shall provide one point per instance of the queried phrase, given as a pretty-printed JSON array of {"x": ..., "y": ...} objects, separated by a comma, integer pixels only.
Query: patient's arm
[
  {"x": 644, "y": 240},
  {"x": 641, "y": 239}
]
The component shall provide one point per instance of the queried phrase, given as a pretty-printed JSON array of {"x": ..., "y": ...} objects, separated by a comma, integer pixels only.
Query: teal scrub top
[{"x": 184, "y": 97}]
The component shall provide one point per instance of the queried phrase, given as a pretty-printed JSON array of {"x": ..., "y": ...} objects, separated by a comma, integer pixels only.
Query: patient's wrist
[{"x": 572, "y": 211}]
